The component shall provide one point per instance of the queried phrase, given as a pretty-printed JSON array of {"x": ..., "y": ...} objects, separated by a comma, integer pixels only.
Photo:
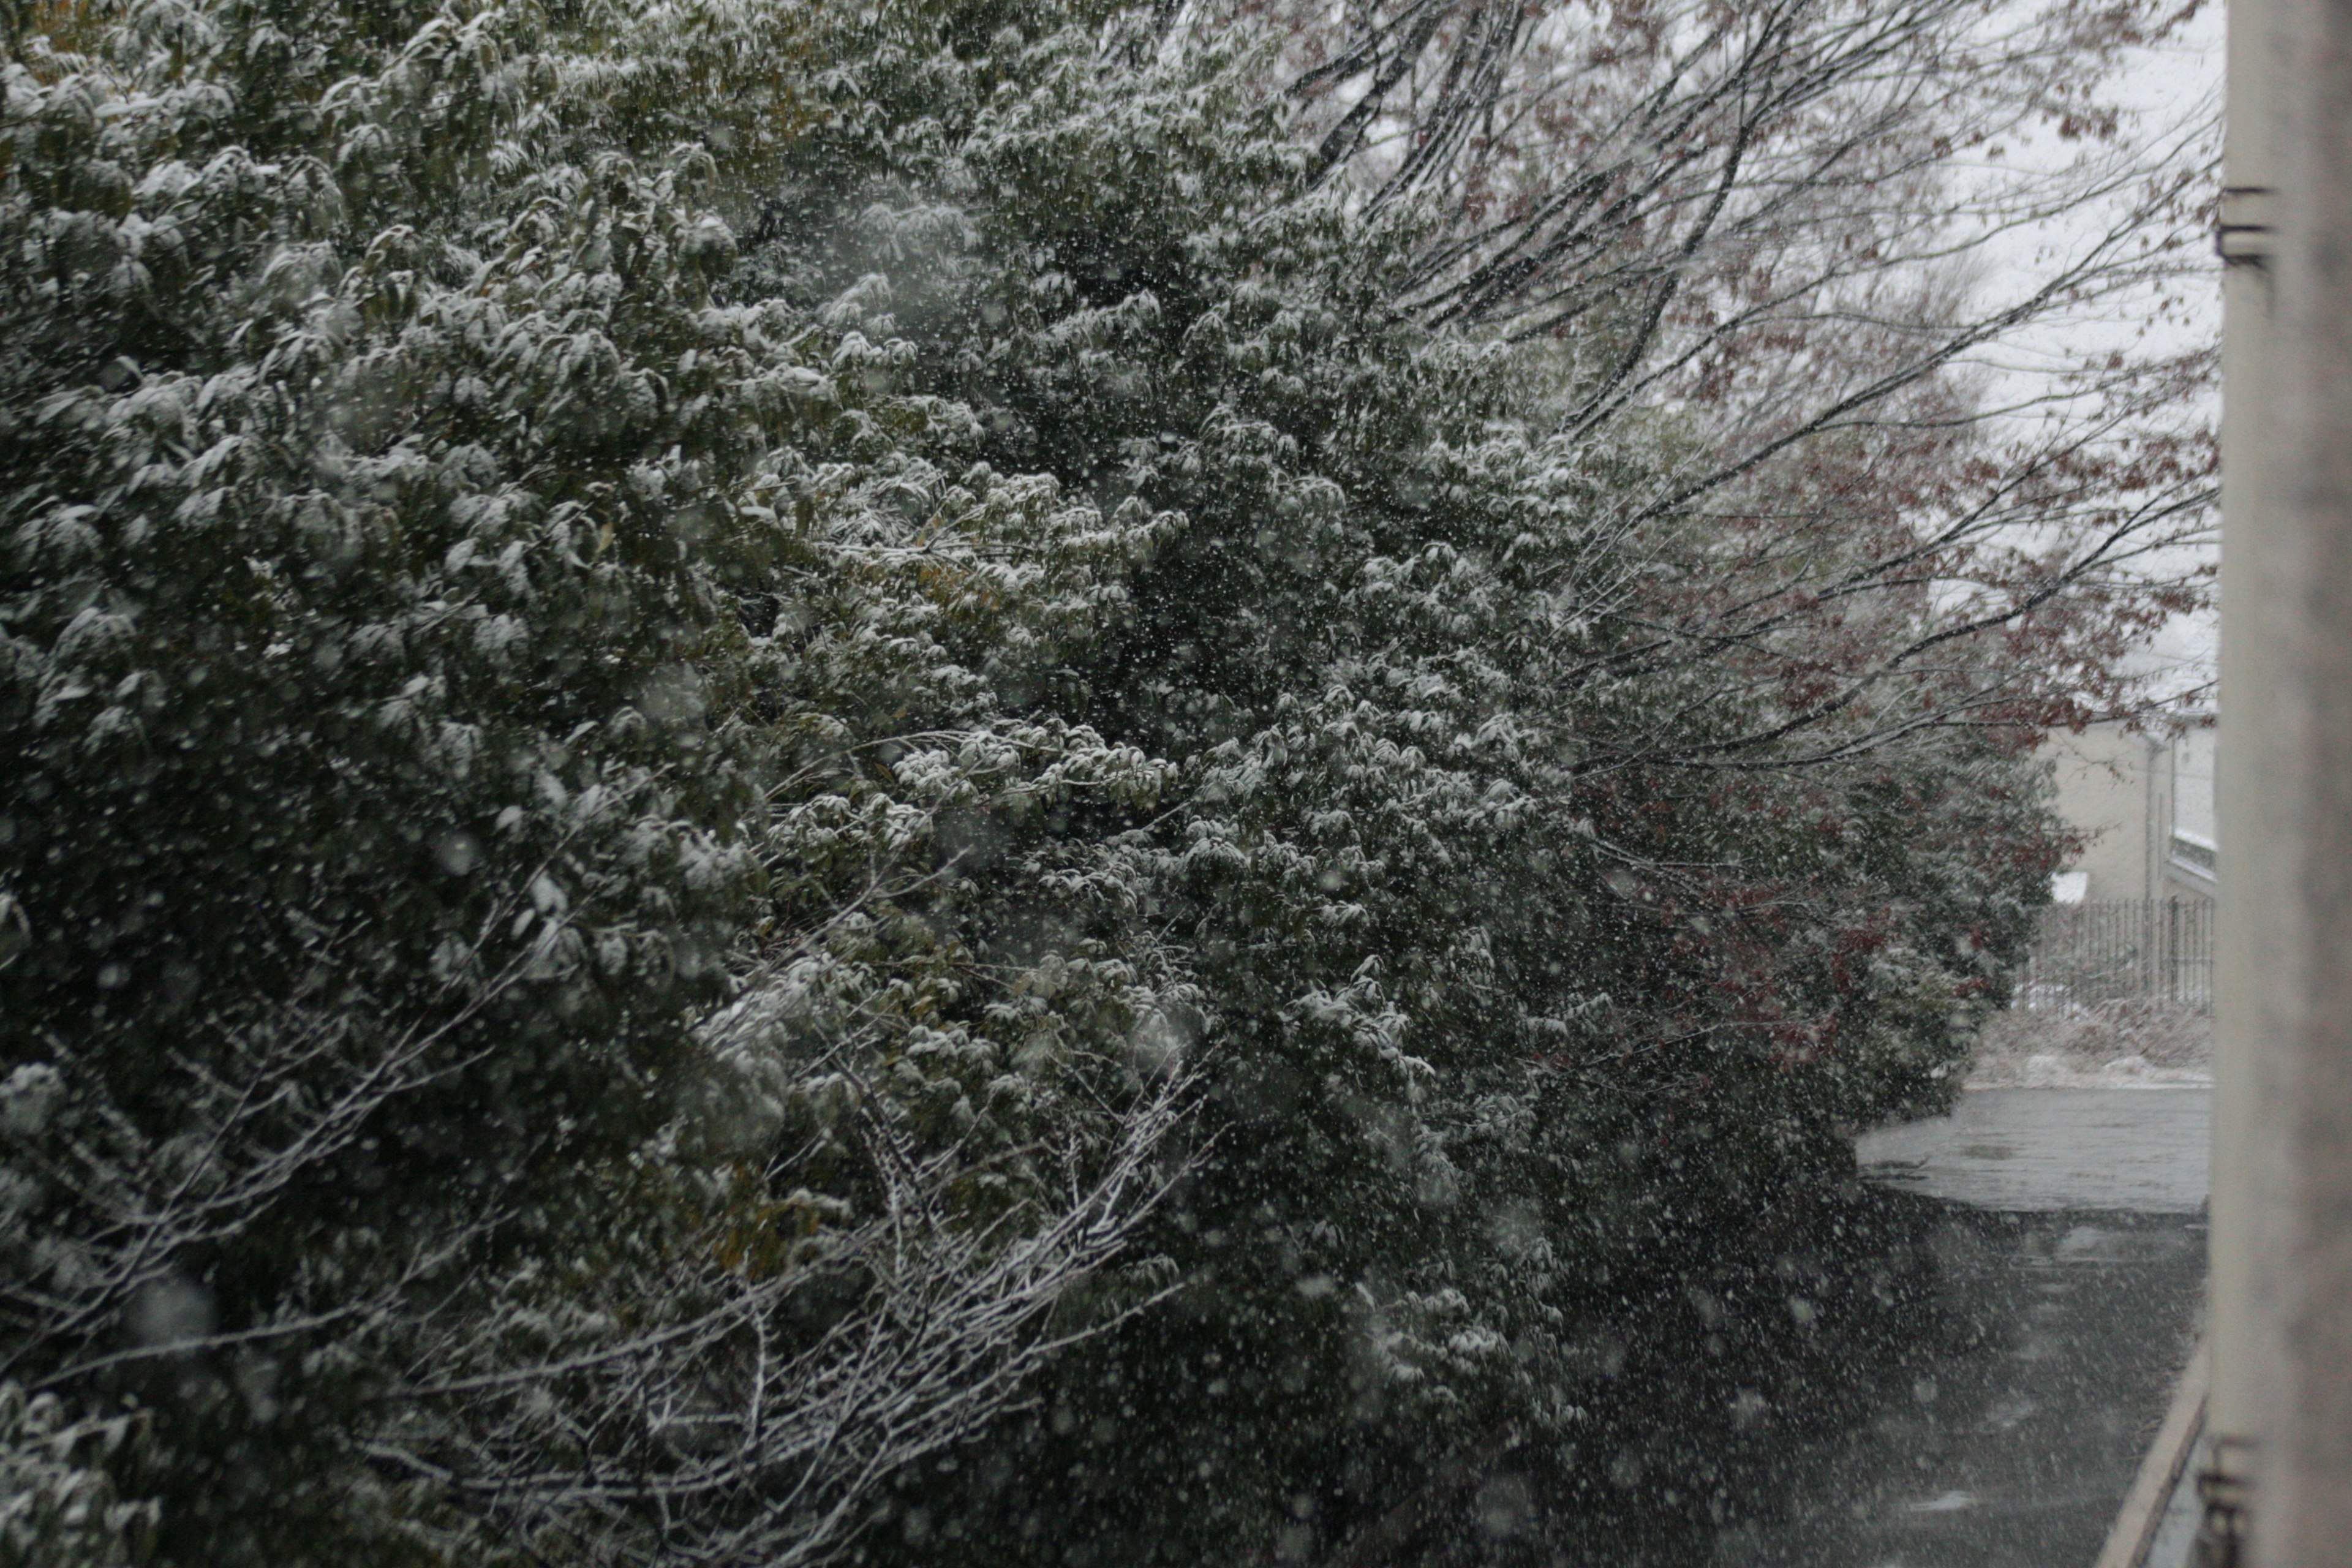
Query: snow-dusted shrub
[
  {"x": 450, "y": 649},
  {"x": 670, "y": 671},
  {"x": 1516, "y": 1000},
  {"x": 60, "y": 1503}
]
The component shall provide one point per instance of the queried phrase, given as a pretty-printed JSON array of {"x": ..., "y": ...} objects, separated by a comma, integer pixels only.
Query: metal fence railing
[{"x": 2115, "y": 950}]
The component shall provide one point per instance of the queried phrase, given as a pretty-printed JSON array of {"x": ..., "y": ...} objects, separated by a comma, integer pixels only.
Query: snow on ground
[
  {"x": 2050, "y": 1070},
  {"x": 2120, "y": 1044}
]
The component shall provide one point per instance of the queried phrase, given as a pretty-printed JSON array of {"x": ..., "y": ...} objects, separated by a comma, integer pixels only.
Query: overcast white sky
[
  {"x": 2187, "y": 77},
  {"x": 2169, "y": 90}
]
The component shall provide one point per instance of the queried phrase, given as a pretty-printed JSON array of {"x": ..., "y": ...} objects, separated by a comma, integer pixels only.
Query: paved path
[
  {"x": 2011, "y": 1435},
  {"x": 2035, "y": 1151},
  {"x": 2069, "y": 1266}
]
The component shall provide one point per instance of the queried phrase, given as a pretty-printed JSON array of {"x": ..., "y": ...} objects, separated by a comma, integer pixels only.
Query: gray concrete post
[
  {"x": 2283, "y": 1198},
  {"x": 2246, "y": 1365}
]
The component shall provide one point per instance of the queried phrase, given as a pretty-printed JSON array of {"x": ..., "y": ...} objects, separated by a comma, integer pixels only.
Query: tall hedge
[{"x": 628, "y": 631}]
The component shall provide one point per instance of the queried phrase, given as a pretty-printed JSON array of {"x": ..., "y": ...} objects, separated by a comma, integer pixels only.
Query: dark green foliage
[
  {"x": 60, "y": 1492},
  {"x": 1506, "y": 1023},
  {"x": 623, "y": 625}
]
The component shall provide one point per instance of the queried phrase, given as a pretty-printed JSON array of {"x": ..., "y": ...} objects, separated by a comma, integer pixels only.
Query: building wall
[
  {"x": 2107, "y": 781},
  {"x": 2191, "y": 857},
  {"x": 2148, "y": 806}
]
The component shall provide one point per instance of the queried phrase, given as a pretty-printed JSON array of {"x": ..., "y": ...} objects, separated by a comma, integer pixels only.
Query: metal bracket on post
[
  {"x": 2248, "y": 227},
  {"x": 2225, "y": 1486}
]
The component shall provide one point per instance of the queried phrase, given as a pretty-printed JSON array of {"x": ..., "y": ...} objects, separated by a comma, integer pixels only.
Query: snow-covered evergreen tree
[
  {"x": 452, "y": 648},
  {"x": 744, "y": 736},
  {"x": 1501, "y": 1012}
]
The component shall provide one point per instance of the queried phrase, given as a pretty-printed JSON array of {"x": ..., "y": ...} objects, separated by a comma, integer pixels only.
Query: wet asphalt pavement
[
  {"x": 2014, "y": 1442},
  {"x": 2097, "y": 1151},
  {"x": 2070, "y": 1261}
]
